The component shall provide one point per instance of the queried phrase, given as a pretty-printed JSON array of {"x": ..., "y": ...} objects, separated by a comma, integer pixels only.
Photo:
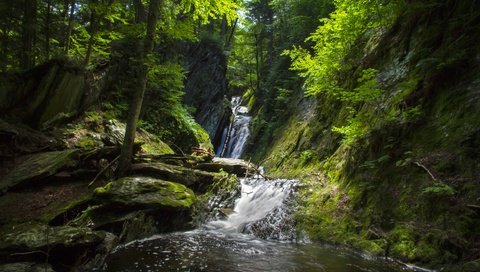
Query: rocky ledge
[{"x": 63, "y": 209}]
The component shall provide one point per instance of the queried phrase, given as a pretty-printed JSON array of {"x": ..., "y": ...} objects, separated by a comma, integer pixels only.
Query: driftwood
[{"x": 103, "y": 170}]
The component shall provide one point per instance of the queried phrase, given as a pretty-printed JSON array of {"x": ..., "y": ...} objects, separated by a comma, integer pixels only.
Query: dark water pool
[{"x": 213, "y": 250}]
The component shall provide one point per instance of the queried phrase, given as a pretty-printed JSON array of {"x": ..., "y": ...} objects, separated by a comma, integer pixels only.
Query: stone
[
  {"x": 145, "y": 191},
  {"x": 231, "y": 166},
  {"x": 25, "y": 267},
  {"x": 32, "y": 236},
  {"x": 196, "y": 179},
  {"x": 37, "y": 166}
]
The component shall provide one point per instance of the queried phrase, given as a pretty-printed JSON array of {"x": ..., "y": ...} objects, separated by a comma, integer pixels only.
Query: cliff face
[
  {"x": 408, "y": 187},
  {"x": 206, "y": 86},
  {"x": 48, "y": 94}
]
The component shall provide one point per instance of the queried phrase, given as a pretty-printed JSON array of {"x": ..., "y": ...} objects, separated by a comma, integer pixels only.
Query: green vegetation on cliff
[{"x": 385, "y": 139}]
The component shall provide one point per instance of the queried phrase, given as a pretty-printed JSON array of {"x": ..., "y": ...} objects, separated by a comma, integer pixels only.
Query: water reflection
[{"x": 208, "y": 250}]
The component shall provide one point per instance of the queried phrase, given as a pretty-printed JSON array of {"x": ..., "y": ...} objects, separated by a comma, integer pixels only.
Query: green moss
[
  {"x": 104, "y": 189},
  {"x": 144, "y": 191},
  {"x": 87, "y": 143},
  {"x": 157, "y": 147}
]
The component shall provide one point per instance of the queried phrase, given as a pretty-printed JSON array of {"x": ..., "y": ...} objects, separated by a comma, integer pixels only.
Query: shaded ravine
[{"x": 258, "y": 235}]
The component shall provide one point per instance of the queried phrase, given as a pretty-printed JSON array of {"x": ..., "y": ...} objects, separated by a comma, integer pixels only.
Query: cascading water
[
  {"x": 236, "y": 134},
  {"x": 263, "y": 210},
  {"x": 232, "y": 244}
]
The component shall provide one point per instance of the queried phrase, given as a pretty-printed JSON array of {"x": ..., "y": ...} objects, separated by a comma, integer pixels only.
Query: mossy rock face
[
  {"x": 195, "y": 179},
  {"x": 37, "y": 166},
  {"x": 145, "y": 191},
  {"x": 35, "y": 236},
  {"x": 25, "y": 267}
]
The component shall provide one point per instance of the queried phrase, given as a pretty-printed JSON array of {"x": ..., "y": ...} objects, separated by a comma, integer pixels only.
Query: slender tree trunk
[
  {"x": 28, "y": 35},
  {"x": 140, "y": 14},
  {"x": 257, "y": 62},
  {"x": 68, "y": 31},
  {"x": 47, "y": 30},
  {"x": 228, "y": 41},
  {"x": 93, "y": 30},
  {"x": 137, "y": 101}
]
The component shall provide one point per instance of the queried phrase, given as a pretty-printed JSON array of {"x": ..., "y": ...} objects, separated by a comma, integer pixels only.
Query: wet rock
[
  {"x": 36, "y": 236},
  {"x": 145, "y": 191},
  {"x": 231, "y": 166},
  {"x": 26, "y": 267},
  {"x": 37, "y": 166},
  {"x": 196, "y": 179}
]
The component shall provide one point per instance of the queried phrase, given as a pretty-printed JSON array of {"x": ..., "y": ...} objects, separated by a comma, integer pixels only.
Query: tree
[
  {"x": 136, "y": 104},
  {"x": 28, "y": 34},
  {"x": 200, "y": 11}
]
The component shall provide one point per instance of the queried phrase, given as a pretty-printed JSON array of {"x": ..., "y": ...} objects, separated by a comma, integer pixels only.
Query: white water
[
  {"x": 222, "y": 245},
  {"x": 261, "y": 210},
  {"x": 235, "y": 136}
]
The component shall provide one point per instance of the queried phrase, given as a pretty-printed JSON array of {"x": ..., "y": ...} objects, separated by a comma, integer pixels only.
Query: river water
[
  {"x": 233, "y": 244},
  {"x": 259, "y": 235}
]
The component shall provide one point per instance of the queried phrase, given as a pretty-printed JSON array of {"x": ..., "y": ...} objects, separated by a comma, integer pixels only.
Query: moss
[
  {"x": 87, "y": 143},
  {"x": 104, "y": 189},
  {"x": 157, "y": 147},
  {"x": 143, "y": 191}
]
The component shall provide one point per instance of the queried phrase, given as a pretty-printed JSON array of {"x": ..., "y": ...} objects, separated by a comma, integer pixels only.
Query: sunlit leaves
[{"x": 335, "y": 37}]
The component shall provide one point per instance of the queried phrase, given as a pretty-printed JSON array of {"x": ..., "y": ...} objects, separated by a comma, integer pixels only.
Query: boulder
[
  {"x": 145, "y": 191},
  {"x": 35, "y": 236},
  {"x": 26, "y": 267},
  {"x": 231, "y": 166},
  {"x": 196, "y": 179},
  {"x": 37, "y": 166}
]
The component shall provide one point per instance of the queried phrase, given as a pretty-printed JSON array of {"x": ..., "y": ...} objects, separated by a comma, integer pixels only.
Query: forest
[{"x": 240, "y": 135}]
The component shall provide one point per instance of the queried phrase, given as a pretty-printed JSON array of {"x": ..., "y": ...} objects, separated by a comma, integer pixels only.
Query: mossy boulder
[
  {"x": 37, "y": 166},
  {"x": 36, "y": 236},
  {"x": 25, "y": 267},
  {"x": 145, "y": 191},
  {"x": 195, "y": 179},
  {"x": 231, "y": 166}
]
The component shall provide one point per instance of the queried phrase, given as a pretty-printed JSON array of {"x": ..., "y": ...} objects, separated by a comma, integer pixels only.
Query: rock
[
  {"x": 145, "y": 191},
  {"x": 36, "y": 236},
  {"x": 26, "y": 267},
  {"x": 232, "y": 166},
  {"x": 101, "y": 253},
  {"x": 37, "y": 166},
  {"x": 206, "y": 86},
  {"x": 196, "y": 179},
  {"x": 114, "y": 132}
]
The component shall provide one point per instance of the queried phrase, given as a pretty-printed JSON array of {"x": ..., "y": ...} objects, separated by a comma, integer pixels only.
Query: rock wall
[
  {"x": 408, "y": 189},
  {"x": 47, "y": 94},
  {"x": 206, "y": 86}
]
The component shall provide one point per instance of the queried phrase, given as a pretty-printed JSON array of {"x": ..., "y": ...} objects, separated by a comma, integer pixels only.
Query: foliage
[
  {"x": 335, "y": 37},
  {"x": 439, "y": 189}
]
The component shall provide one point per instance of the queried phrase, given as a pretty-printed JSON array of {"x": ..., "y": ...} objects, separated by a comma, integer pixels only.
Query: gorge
[{"x": 240, "y": 135}]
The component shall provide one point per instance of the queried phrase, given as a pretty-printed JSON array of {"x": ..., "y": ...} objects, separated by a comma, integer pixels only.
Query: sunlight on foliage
[{"x": 335, "y": 37}]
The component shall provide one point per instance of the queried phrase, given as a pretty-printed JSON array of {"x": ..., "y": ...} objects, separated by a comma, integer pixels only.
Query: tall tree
[
  {"x": 28, "y": 35},
  {"x": 201, "y": 12},
  {"x": 136, "y": 105}
]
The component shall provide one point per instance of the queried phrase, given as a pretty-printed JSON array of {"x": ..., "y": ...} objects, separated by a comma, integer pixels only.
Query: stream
[
  {"x": 259, "y": 235},
  {"x": 233, "y": 244}
]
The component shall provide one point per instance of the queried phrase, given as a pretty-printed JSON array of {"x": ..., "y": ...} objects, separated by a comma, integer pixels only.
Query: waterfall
[
  {"x": 264, "y": 209},
  {"x": 236, "y": 134}
]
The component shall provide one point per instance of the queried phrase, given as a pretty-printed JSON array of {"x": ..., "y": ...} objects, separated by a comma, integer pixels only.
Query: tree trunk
[
  {"x": 93, "y": 30},
  {"x": 140, "y": 14},
  {"x": 28, "y": 35},
  {"x": 137, "y": 101},
  {"x": 68, "y": 31},
  {"x": 47, "y": 30}
]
